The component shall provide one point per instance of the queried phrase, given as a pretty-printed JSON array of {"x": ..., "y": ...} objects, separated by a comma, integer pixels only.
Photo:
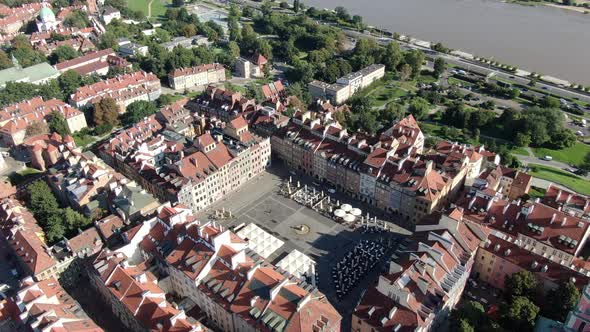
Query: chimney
[{"x": 429, "y": 165}]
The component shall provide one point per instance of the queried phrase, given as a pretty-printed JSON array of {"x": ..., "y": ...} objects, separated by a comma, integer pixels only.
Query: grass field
[
  {"x": 558, "y": 176},
  {"x": 574, "y": 155},
  {"x": 158, "y": 6}
]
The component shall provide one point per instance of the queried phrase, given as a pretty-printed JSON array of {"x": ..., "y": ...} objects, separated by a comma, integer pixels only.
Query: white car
[
  {"x": 332, "y": 191},
  {"x": 548, "y": 158}
]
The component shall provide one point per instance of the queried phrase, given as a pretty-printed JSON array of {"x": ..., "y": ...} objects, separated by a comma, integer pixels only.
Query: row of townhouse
[
  {"x": 186, "y": 78},
  {"x": 124, "y": 89},
  {"x": 97, "y": 62},
  {"x": 134, "y": 296},
  {"x": 210, "y": 265},
  {"x": 425, "y": 280},
  {"x": 222, "y": 104},
  {"x": 26, "y": 241},
  {"x": 346, "y": 86},
  {"x": 389, "y": 171},
  {"x": 44, "y": 306},
  {"x": 216, "y": 164},
  {"x": 16, "y": 118}
]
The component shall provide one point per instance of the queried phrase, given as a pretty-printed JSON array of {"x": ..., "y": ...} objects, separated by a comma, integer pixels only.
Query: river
[{"x": 547, "y": 40}]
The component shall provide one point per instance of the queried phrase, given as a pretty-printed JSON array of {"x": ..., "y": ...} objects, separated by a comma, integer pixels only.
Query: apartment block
[
  {"x": 15, "y": 118},
  {"x": 567, "y": 201},
  {"x": 511, "y": 183},
  {"x": 346, "y": 86},
  {"x": 538, "y": 228},
  {"x": 425, "y": 280},
  {"x": 124, "y": 89},
  {"x": 503, "y": 255},
  {"x": 209, "y": 265},
  {"x": 186, "y": 78},
  {"x": 93, "y": 62}
]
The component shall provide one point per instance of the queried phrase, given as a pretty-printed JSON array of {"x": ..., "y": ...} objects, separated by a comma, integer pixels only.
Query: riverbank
[{"x": 582, "y": 10}]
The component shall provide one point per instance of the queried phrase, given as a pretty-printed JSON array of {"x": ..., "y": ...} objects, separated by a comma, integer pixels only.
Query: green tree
[
  {"x": 106, "y": 111},
  {"x": 77, "y": 19},
  {"x": 69, "y": 82},
  {"x": 419, "y": 107},
  {"x": 63, "y": 53},
  {"x": 138, "y": 110},
  {"x": 393, "y": 56},
  {"x": 5, "y": 61},
  {"x": 550, "y": 102},
  {"x": 296, "y": 6},
  {"x": 54, "y": 230},
  {"x": 253, "y": 91},
  {"x": 178, "y": 3},
  {"x": 74, "y": 220},
  {"x": 519, "y": 314},
  {"x": 439, "y": 67},
  {"x": 405, "y": 72},
  {"x": 24, "y": 52},
  {"x": 58, "y": 124},
  {"x": 42, "y": 203},
  {"x": 585, "y": 166},
  {"x": 522, "y": 139},
  {"x": 523, "y": 284},
  {"x": 415, "y": 58},
  {"x": 561, "y": 300}
]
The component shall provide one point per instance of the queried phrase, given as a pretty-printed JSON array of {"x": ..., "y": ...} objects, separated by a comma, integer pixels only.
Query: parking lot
[{"x": 327, "y": 241}]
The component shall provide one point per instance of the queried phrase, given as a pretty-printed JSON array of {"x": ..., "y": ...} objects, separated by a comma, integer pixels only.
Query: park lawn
[
  {"x": 158, "y": 7},
  {"x": 563, "y": 178},
  {"x": 572, "y": 156},
  {"x": 520, "y": 151},
  {"x": 383, "y": 95}
]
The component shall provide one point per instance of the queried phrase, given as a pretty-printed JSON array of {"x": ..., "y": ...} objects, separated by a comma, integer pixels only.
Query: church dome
[{"x": 46, "y": 15}]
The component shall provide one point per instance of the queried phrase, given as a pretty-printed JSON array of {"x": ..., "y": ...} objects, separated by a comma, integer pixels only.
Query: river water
[{"x": 542, "y": 39}]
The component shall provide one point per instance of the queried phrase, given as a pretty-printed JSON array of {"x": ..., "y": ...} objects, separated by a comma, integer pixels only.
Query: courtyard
[{"x": 325, "y": 240}]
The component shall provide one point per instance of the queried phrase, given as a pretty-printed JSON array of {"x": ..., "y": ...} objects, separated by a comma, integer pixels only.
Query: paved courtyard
[{"x": 327, "y": 241}]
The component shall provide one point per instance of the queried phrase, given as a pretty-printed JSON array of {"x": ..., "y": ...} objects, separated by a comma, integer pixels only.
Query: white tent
[
  {"x": 346, "y": 207},
  {"x": 348, "y": 218},
  {"x": 339, "y": 213},
  {"x": 356, "y": 212}
]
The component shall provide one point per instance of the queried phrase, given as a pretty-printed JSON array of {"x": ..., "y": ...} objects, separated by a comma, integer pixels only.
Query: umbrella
[
  {"x": 346, "y": 207},
  {"x": 356, "y": 212},
  {"x": 339, "y": 213},
  {"x": 348, "y": 218}
]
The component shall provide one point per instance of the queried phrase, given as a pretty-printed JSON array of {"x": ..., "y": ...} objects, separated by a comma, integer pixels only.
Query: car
[
  {"x": 571, "y": 170},
  {"x": 544, "y": 87},
  {"x": 482, "y": 300},
  {"x": 332, "y": 191},
  {"x": 317, "y": 184},
  {"x": 14, "y": 272},
  {"x": 292, "y": 173},
  {"x": 510, "y": 76},
  {"x": 547, "y": 158},
  {"x": 579, "y": 133}
]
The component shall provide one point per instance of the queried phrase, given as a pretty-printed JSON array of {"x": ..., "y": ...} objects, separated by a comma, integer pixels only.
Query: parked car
[
  {"x": 332, "y": 191},
  {"x": 547, "y": 158}
]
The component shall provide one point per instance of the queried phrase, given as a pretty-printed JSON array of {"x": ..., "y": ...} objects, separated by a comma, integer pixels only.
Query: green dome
[{"x": 46, "y": 15}]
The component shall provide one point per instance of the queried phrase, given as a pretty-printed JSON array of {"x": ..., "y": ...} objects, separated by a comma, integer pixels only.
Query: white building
[{"x": 185, "y": 78}]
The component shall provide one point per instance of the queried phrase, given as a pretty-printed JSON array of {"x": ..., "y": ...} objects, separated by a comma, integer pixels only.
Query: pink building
[{"x": 579, "y": 318}]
